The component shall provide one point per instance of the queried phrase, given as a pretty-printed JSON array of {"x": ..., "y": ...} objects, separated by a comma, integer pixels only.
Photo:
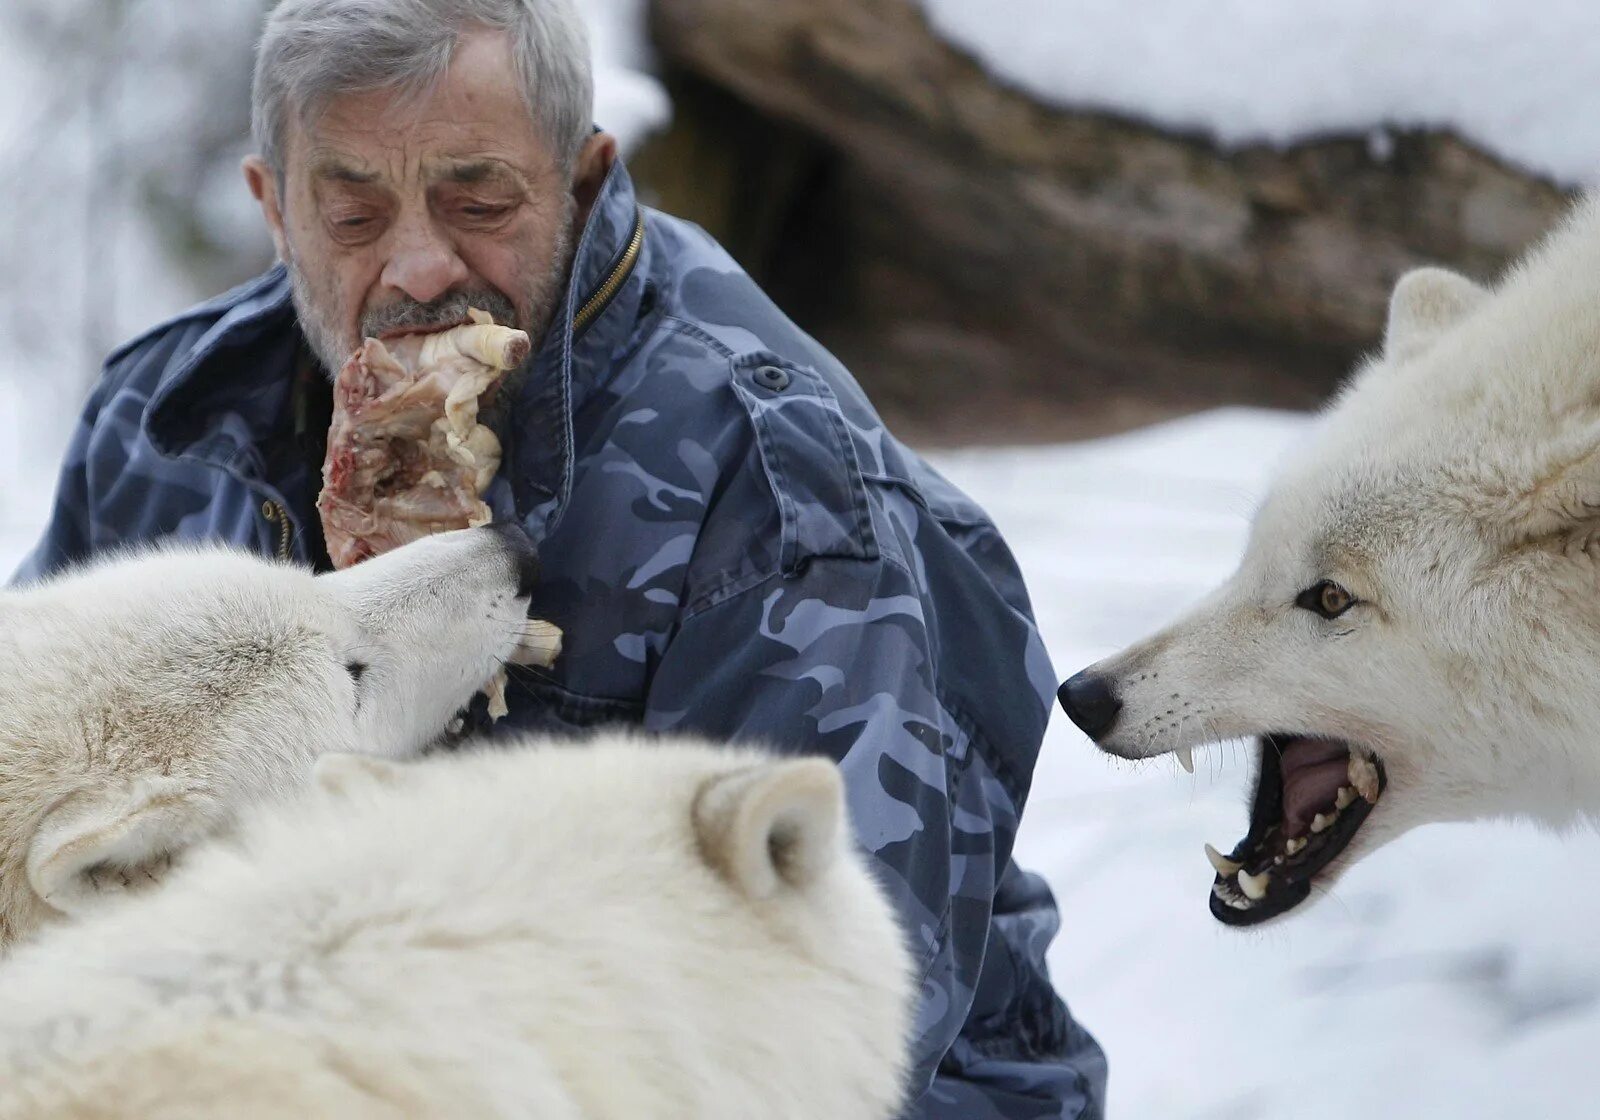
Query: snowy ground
[{"x": 1453, "y": 975}]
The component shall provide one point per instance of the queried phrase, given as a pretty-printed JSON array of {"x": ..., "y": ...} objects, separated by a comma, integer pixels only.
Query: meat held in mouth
[{"x": 406, "y": 455}]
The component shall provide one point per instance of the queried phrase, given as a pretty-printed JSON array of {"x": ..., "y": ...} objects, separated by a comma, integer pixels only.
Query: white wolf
[
  {"x": 615, "y": 929},
  {"x": 1414, "y": 630},
  {"x": 145, "y": 699}
]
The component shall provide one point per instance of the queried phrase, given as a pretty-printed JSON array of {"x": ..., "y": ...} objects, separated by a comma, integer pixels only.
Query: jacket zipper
[
  {"x": 277, "y": 515},
  {"x": 614, "y": 280}
]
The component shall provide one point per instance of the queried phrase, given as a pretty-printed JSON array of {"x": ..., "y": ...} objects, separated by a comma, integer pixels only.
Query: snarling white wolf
[
  {"x": 145, "y": 699},
  {"x": 1414, "y": 631},
  {"x": 606, "y": 929}
]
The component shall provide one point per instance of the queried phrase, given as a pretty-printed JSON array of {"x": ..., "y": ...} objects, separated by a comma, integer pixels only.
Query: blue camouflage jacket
[{"x": 734, "y": 546}]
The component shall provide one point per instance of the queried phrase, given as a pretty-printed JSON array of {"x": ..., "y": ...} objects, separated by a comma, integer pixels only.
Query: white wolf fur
[
  {"x": 1455, "y": 491},
  {"x": 144, "y": 699},
  {"x": 614, "y": 929}
]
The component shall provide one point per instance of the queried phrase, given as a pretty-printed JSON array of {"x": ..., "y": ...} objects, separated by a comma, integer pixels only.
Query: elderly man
[{"x": 733, "y": 543}]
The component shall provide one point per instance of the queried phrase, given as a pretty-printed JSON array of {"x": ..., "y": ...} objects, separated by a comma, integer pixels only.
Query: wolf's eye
[
  {"x": 1326, "y": 598},
  {"x": 355, "y": 669}
]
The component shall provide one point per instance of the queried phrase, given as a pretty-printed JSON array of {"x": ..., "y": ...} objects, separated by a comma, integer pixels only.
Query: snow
[
  {"x": 1452, "y": 974},
  {"x": 629, "y": 102},
  {"x": 1514, "y": 76}
]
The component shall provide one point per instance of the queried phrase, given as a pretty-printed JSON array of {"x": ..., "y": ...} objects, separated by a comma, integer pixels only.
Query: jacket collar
[
  {"x": 229, "y": 392},
  {"x": 599, "y": 313}
]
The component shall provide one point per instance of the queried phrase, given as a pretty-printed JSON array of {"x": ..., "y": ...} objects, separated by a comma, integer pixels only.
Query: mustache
[{"x": 448, "y": 310}]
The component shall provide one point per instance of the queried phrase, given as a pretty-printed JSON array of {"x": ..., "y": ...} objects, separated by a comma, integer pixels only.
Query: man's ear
[
  {"x": 589, "y": 173},
  {"x": 114, "y": 841},
  {"x": 773, "y": 826},
  {"x": 1425, "y": 303},
  {"x": 339, "y": 773},
  {"x": 263, "y": 186}
]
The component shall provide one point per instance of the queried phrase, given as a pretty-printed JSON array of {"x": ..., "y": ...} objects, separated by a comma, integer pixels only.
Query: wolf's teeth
[
  {"x": 1364, "y": 777},
  {"x": 1185, "y": 758},
  {"x": 1293, "y": 845},
  {"x": 1345, "y": 796},
  {"x": 1229, "y": 896},
  {"x": 1254, "y": 886},
  {"x": 1320, "y": 822},
  {"x": 1225, "y": 867}
]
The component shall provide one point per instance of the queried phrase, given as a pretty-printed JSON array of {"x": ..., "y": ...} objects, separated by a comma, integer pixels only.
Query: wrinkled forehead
[{"x": 472, "y": 121}]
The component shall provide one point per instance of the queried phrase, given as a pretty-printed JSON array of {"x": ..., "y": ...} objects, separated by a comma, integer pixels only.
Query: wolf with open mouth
[{"x": 1413, "y": 634}]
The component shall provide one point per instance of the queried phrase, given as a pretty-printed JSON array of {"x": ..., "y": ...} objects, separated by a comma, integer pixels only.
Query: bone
[
  {"x": 1225, "y": 867},
  {"x": 1185, "y": 758},
  {"x": 1254, "y": 886},
  {"x": 538, "y": 644}
]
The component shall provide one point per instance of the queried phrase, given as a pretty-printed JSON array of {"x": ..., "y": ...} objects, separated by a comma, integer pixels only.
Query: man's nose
[
  {"x": 423, "y": 263},
  {"x": 1091, "y": 700}
]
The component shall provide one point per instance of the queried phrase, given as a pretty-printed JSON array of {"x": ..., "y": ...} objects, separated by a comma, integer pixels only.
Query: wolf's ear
[
  {"x": 340, "y": 773},
  {"x": 1557, "y": 505},
  {"x": 1425, "y": 303},
  {"x": 775, "y": 825},
  {"x": 113, "y": 841}
]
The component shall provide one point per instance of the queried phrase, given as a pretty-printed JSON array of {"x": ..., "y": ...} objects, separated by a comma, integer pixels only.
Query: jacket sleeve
[{"x": 843, "y": 657}]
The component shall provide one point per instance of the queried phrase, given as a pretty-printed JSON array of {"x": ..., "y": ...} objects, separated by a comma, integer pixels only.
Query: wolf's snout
[
  {"x": 523, "y": 554},
  {"x": 1091, "y": 701}
]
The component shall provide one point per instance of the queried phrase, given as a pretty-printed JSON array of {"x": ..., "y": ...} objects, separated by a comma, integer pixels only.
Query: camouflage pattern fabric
[{"x": 734, "y": 546}]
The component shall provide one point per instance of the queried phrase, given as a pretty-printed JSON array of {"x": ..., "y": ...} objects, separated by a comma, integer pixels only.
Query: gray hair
[{"x": 314, "y": 50}]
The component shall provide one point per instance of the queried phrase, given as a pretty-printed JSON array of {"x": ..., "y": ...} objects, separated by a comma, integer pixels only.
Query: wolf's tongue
[{"x": 1313, "y": 771}]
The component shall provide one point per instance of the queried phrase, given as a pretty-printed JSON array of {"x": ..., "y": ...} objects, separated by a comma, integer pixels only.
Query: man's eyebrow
[
  {"x": 480, "y": 171},
  {"x": 331, "y": 167}
]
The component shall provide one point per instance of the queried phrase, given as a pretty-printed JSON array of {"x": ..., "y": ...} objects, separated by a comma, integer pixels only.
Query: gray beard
[{"x": 540, "y": 300}]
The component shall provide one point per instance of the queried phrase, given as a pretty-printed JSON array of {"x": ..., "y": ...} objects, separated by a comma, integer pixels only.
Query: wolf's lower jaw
[{"x": 1311, "y": 797}]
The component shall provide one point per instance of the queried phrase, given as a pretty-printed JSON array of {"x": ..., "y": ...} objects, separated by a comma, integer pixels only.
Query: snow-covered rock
[
  {"x": 1515, "y": 77},
  {"x": 984, "y": 230}
]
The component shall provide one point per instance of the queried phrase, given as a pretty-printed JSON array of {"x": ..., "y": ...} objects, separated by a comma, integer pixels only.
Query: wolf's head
[
  {"x": 607, "y": 928},
  {"x": 145, "y": 699},
  {"x": 1414, "y": 631},
  {"x": 689, "y": 907}
]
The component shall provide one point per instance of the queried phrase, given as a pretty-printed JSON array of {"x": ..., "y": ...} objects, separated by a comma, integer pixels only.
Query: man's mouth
[
  {"x": 1312, "y": 795},
  {"x": 422, "y": 328}
]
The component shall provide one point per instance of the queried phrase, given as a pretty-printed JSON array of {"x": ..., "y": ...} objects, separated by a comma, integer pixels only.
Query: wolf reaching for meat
[{"x": 144, "y": 700}]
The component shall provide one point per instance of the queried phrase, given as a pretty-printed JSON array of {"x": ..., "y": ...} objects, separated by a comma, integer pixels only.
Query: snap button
[{"x": 772, "y": 377}]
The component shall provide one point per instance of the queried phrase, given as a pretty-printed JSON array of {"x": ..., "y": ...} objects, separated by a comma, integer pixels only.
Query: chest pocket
[{"x": 809, "y": 460}]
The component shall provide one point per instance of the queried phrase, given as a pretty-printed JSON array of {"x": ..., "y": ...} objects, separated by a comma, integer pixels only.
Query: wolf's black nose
[
  {"x": 523, "y": 555},
  {"x": 1091, "y": 702}
]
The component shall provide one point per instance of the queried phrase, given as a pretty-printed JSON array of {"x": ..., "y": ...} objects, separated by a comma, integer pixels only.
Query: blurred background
[{"x": 1100, "y": 259}]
